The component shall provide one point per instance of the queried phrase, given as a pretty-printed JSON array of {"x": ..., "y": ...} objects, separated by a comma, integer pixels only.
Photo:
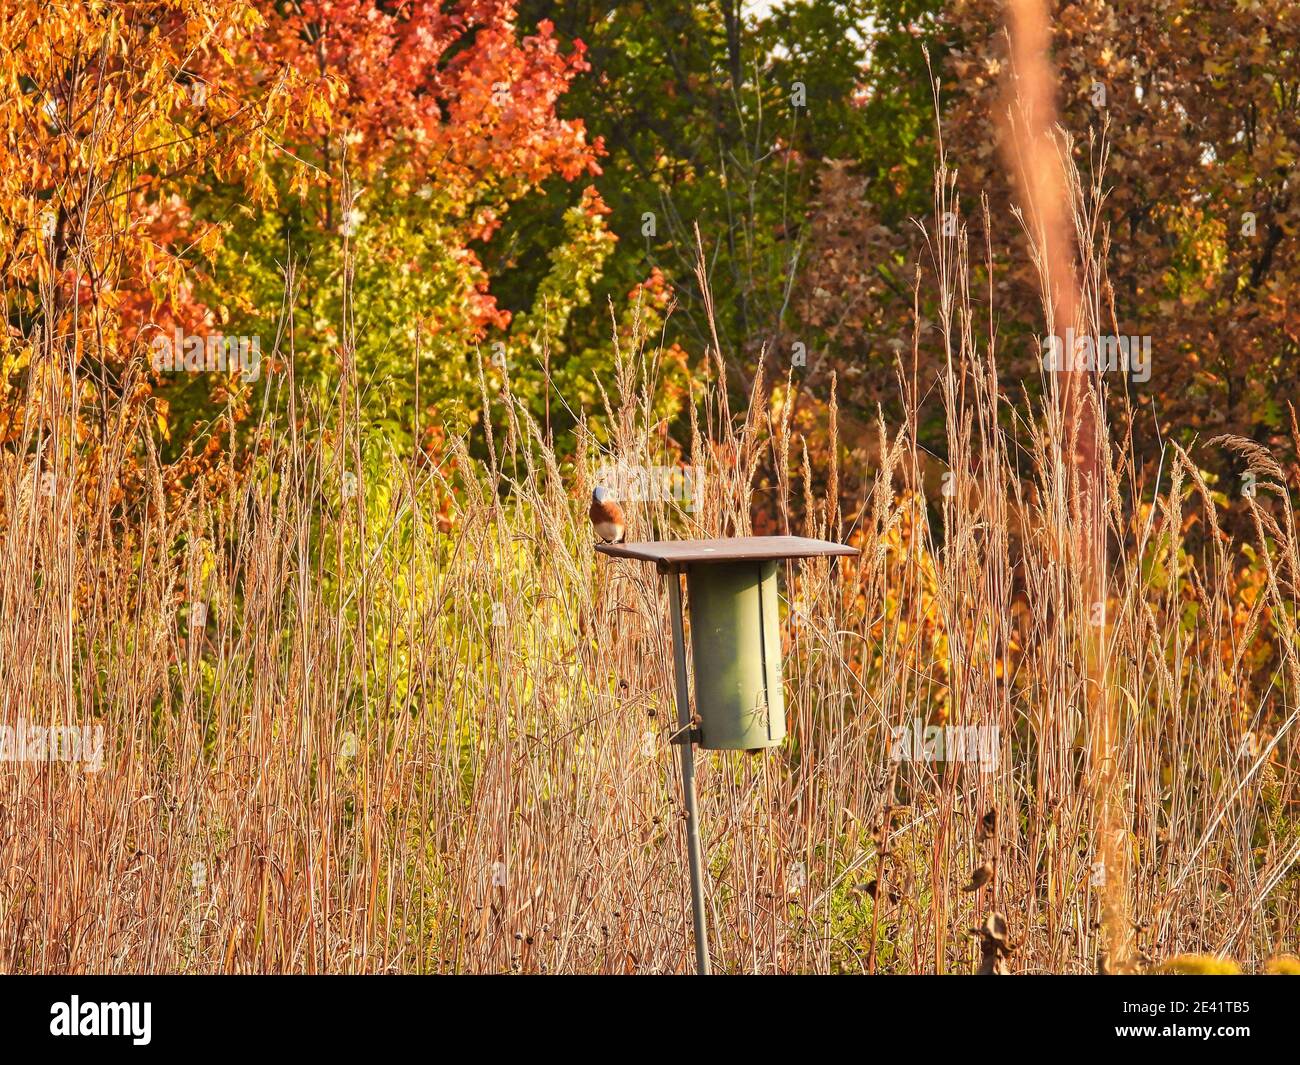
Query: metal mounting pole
[{"x": 686, "y": 731}]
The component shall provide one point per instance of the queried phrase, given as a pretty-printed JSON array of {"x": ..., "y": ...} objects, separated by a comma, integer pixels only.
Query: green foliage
[{"x": 721, "y": 118}]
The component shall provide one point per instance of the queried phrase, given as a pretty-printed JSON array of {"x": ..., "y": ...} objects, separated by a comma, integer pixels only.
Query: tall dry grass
[{"x": 422, "y": 727}]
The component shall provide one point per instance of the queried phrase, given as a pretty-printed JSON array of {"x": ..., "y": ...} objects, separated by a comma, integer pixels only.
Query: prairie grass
[{"x": 374, "y": 712}]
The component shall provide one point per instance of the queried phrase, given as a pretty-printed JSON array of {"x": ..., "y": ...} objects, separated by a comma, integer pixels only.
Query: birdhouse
[
  {"x": 736, "y": 650},
  {"x": 732, "y": 600}
]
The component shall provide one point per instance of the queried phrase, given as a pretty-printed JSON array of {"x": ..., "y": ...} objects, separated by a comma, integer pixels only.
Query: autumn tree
[
  {"x": 442, "y": 120},
  {"x": 1197, "y": 108},
  {"x": 247, "y": 168},
  {"x": 105, "y": 122}
]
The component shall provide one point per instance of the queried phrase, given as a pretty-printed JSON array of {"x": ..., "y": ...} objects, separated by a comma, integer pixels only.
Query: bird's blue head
[{"x": 601, "y": 494}]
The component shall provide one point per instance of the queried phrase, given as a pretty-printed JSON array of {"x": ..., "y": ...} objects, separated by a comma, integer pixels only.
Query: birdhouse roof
[{"x": 680, "y": 554}]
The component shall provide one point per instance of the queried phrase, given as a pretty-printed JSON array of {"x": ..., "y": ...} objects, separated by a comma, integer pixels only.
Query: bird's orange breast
[{"x": 605, "y": 513}]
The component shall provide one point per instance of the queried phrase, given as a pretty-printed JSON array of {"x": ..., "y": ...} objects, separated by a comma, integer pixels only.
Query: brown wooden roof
[{"x": 678, "y": 554}]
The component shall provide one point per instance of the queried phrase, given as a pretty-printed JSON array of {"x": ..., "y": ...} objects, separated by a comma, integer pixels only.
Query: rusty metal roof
[{"x": 678, "y": 554}]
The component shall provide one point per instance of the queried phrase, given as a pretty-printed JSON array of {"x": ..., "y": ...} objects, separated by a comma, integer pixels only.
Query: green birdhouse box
[
  {"x": 736, "y": 650},
  {"x": 736, "y": 654},
  {"x": 732, "y": 600}
]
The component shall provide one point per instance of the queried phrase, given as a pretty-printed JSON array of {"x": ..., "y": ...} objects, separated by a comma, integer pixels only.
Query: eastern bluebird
[{"x": 606, "y": 515}]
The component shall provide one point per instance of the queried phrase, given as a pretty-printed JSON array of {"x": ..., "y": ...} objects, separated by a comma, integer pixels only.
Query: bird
[
  {"x": 979, "y": 876},
  {"x": 872, "y": 888},
  {"x": 606, "y": 515}
]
